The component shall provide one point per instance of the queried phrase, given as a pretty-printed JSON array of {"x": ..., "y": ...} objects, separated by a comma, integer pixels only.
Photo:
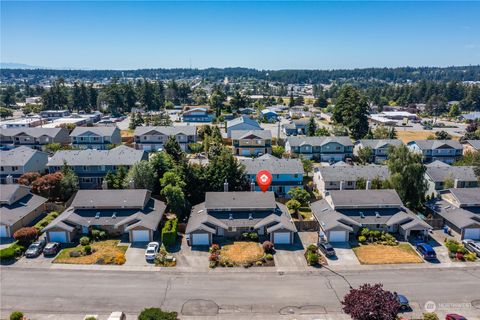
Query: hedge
[
  {"x": 11, "y": 251},
  {"x": 46, "y": 220},
  {"x": 169, "y": 232}
]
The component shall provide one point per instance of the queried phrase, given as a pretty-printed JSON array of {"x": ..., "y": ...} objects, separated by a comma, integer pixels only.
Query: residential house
[
  {"x": 131, "y": 212},
  {"x": 241, "y": 123},
  {"x": 439, "y": 172},
  {"x": 296, "y": 127},
  {"x": 197, "y": 115},
  {"x": 92, "y": 165},
  {"x": 472, "y": 116},
  {"x": 379, "y": 148},
  {"x": 345, "y": 177},
  {"x": 18, "y": 208},
  {"x": 286, "y": 173},
  {"x": 96, "y": 137},
  {"x": 154, "y": 138},
  {"x": 229, "y": 214},
  {"x": 36, "y": 138},
  {"x": 25, "y": 122},
  {"x": 20, "y": 160},
  {"x": 246, "y": 111},
  {"x": 54, "y": 114},
  {"x": 460, "y": 210},
  {"x": 299, "y": 112},
  {"x": 471, "y": 146},
  {"x": 330, "y": 149},
  {"x": 447, "y": 151},
  {"x": 342, "y": 213},
  {"x": 398, "y": 115},
  {"x": 269, "y": 115},
  {"x": 251, "y": 142}
]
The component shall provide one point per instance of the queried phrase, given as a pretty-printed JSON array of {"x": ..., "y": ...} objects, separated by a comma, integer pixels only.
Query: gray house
[
  {"x": 251, "y": 142},
  {"x": 95, "y": 137},
  {"x": 36, "y": 138},
  {"x": 15, "y": 162},
  {"x": 131, "y": 211},
  {"x": 229, "y": 214},
  {"x": 379, "y": 148},
  {"x": 18, "y": 208},
  {"x": 342, "y": 213},
  {"x": 345, "y": 177},
  {"x": 447, "y": 151},
  {"x": 154, "y": 138},
  {"x": 460, "y": 210},
  {"x": 91, "y": 165},
  {"x": 439, "y": 172},
  {"x": 241, "y": 123},
  {"x": 332, "y": 149},
  {"x": 296, "y": 127}
]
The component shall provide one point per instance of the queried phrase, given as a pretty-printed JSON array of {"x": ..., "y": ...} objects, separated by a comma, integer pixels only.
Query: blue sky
[{"x": 264, "y": 35}]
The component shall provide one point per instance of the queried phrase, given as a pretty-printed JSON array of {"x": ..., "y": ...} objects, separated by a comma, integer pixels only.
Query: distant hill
[{"x": 12, "y": 65}]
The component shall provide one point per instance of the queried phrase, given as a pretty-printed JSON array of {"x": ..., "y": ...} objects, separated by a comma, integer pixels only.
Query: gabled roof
[
  {"x": 436, "y": 144},
  {"x": 18, "y": 156},
  {"x": 380, "y": 143},
  {"x": 166, "y": 130},
  {"x": 318, "y": 141},
  {"x": 35, "y": 132},
  {"x": 466, "y": 197},
  {"x": 251, "y": 134},
  {"x": 272, "y": 164},
  {"x": 353, "y": 173},
  {"x": 121, "y": 155},
  {"x": 243, "y": 119},
  {"x": 121, "y": 199},
  {"x": 11, "y": 193},
  {"x": 16, "y": 204},
  {"x": 437, "y": 163},
  {"x": 474, "y": 143},
  {"x": 99, "y": 131},
  {"x": 442, "y": 173},
  {"x": 459, "y": 217},
  {"x": 384, "y": 198},
  {"x": 239, "y": 200}
]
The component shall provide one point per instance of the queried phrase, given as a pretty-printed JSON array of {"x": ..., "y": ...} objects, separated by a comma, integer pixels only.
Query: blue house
[
  {"x": 198, "y": 115},
  {"x": 286, "y": 173},
  {"x": 269, "y": 115},
  {"x": 331, "y": 149}
]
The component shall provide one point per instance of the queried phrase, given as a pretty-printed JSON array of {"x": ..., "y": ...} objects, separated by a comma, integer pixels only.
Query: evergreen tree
[{"x": 351, "y": 110}]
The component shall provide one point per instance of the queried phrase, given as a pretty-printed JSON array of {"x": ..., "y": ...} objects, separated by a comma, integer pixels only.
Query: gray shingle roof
[
  {"x": 474, "y": 143},
  {"x": 353, "y": 173},
  {"x": 273, "y": 164},
  {"x": 118, "y": 156},
  {"x": 379, "y": 143},
  {"x": 100, "y": 131},
  {"x": 243, "y": 119},
  {"x": 167, "y": 130},
  {"x": 466, "y": 197},
  {"x": 33, "y": 132},
  {"x": 318, "y": 141},
  {"x": 251, "y": 134},
  {"x": 10, "y": 193},
  {"x": 12, "y": 213},
  {"x": 442, "y": 173},
  {"x": 128, "y": 198},
  {"x": 435, "y": 144},
  {"x": 17, "y": 157},
  {"x": 365, "y": 199},
  {"x": 459, "y": 217},
  {"x": 239, "y": 200}
]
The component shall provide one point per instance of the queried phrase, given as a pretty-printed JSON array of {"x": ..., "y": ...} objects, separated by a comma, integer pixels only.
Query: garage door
[
  {"x": 337, "y": 236},
  {"x": 281, "y": 238},
  {"x": 471, "y": 233},
  {"x": 200, "y": 239},
  {"x": 3, "y": 232},
  {"x": 140, "y": 236},
  {"x": 58, "y": 236},
  {"x": 245, "y": 152}
]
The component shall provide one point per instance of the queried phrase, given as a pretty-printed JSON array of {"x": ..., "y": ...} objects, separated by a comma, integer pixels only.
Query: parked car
[
  {"x": 152, "y": 250},
  {"x": 117, "y": 315},
  {"x": 327, "y": 249},
  {"x": 454, "y": 316},
  {"x": 472, "y": 246},
  {"x": 426, "y": 251},
  {"x": 35, "y": 249},
  {"x": 51, "y": 249},
  {"x": 403, "y": 301}
]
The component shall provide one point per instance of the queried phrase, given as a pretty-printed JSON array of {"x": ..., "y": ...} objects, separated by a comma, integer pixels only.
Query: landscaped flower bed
[
  {"x": 163, "y": 259},
  {"x": 457, "y": 252},
  {"x": 313, "y": 257},
  {"x": 98, "y": 252},
  {"x": 242, "y": 253},
  {"x": 376, "y": 236}
]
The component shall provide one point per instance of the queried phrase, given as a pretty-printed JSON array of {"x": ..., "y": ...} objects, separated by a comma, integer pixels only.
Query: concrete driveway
[
  {"x": 135, "y": 255},
  {"x": 194, "y": 258},
  {"x": 344, "y": 255}
]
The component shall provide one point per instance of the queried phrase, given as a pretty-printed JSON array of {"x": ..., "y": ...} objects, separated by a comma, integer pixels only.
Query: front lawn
[
  {"x": 384, "y": 254},
  {"x": 103, "y": 252},
  {"x": 240, "y": 253}
]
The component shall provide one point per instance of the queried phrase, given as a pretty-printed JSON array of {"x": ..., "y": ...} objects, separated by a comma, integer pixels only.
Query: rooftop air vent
[
  {"x": 377, "y": 214},
  {"x": 97, "y": 215},
  {"x": 230, "y": 217},
  {"x": 114, "y": 215},
  {"x": 250, "y": 217},
  {"x": 362, "y": 215},
  {"x": 324, "y": 209}
]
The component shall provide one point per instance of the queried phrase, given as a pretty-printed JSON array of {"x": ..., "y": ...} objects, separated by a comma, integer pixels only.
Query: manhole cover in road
[
  {"x": 303, "y": 310},
  {"x": 199, "y": 307}
]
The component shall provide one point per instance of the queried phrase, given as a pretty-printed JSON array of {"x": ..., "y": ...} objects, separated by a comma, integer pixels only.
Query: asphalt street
[{"x": 237, "y": 295}]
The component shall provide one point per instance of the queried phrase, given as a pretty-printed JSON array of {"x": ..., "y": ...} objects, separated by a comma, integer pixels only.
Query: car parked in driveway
[
  {"x": 35, "y": 249},
  {"x": 472, "y": 246},
  {"x": 327, "y": 249},
  {"x": 151, "y": 251},
  {"x": 454, "y": 316},
  {"x": 426, "y": 251},
  {"x": 51, "y": 249}
]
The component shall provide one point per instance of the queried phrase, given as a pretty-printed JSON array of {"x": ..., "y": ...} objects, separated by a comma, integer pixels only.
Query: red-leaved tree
[
  {"x": 26, "y": 235},
  {"x": 48, "y": 186},
  {"x": 371, "y": 302},
  {"x": 28, "y": 178}
]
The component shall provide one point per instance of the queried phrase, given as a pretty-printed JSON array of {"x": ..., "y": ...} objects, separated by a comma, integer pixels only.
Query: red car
[{"x": 454, "y": 316}]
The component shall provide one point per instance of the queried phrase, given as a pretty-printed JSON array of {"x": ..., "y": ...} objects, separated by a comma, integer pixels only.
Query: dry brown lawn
[
  {"x": 241, "y": 252},
  {"x": 108, "y": 250},
  {"x": 381, "y": 254},
  {"x": 408, "y": 135}
]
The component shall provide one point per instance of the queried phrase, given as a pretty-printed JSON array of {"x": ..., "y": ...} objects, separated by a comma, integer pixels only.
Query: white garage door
[
  {"x": 58, "y": 236},
  {"x": 281, "y": 238},
  {"x": 471, "y": 233},
  {"x": 140, "y": 236},
  {"x": 200, "y": 239},
  {"x": 337, "y": 236},
  {"x": 3, "y": 231}
]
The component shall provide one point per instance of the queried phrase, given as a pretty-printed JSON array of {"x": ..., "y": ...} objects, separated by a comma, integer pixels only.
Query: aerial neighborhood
[{"x": 175, "y": 181}]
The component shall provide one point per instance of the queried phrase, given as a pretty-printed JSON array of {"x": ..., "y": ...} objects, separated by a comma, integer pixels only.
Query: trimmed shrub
[
  {"x": 362, "y": 239},
  {"x": 103, "y": 235},
  {"x": 84, "y": 241},
  {"x": 470, "y": 256},
  {"x": 430, "y": 316},
  {"x": 253, "y": 236},
  {"x": 312, "y": 258},
  {"x": 88, "y": 249},
  {"x": 26, "y": 235},
  {"x": 120, "y": 259},
  {"x": 7, "y": 253},
  {"x": 269, "y": 256},
  {"x": 312, "y": 248},
  {"x": 258, "y": 263},
  {"x": 267, "y": 247},
  {"x": 157, "y": 314},
  {"x": 213, "y": 257},
  {"x": 214, "y": 248},
  {"x": 46, "y": 220},
  {"x": 16, "y": 315},
  {"x": 169, "y": 232},
  {"x": 95, "y": 234}
]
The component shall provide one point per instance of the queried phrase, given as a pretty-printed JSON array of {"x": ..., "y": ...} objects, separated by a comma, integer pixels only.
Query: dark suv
[
  {"x": 426, "y": 251},
  {"x": 326, "y": 249},
  {"x": 35, "y": 249}
]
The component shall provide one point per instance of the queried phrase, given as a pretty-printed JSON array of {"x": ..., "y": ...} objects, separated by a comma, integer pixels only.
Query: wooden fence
[{"x": 310, "y": 225}]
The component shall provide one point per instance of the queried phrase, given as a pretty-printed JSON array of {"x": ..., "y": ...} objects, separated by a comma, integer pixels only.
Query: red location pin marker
[{"x": 264, "y": 179}]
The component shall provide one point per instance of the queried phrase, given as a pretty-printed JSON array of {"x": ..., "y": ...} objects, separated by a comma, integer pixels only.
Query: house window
[{"x": 295, "y": 175}]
